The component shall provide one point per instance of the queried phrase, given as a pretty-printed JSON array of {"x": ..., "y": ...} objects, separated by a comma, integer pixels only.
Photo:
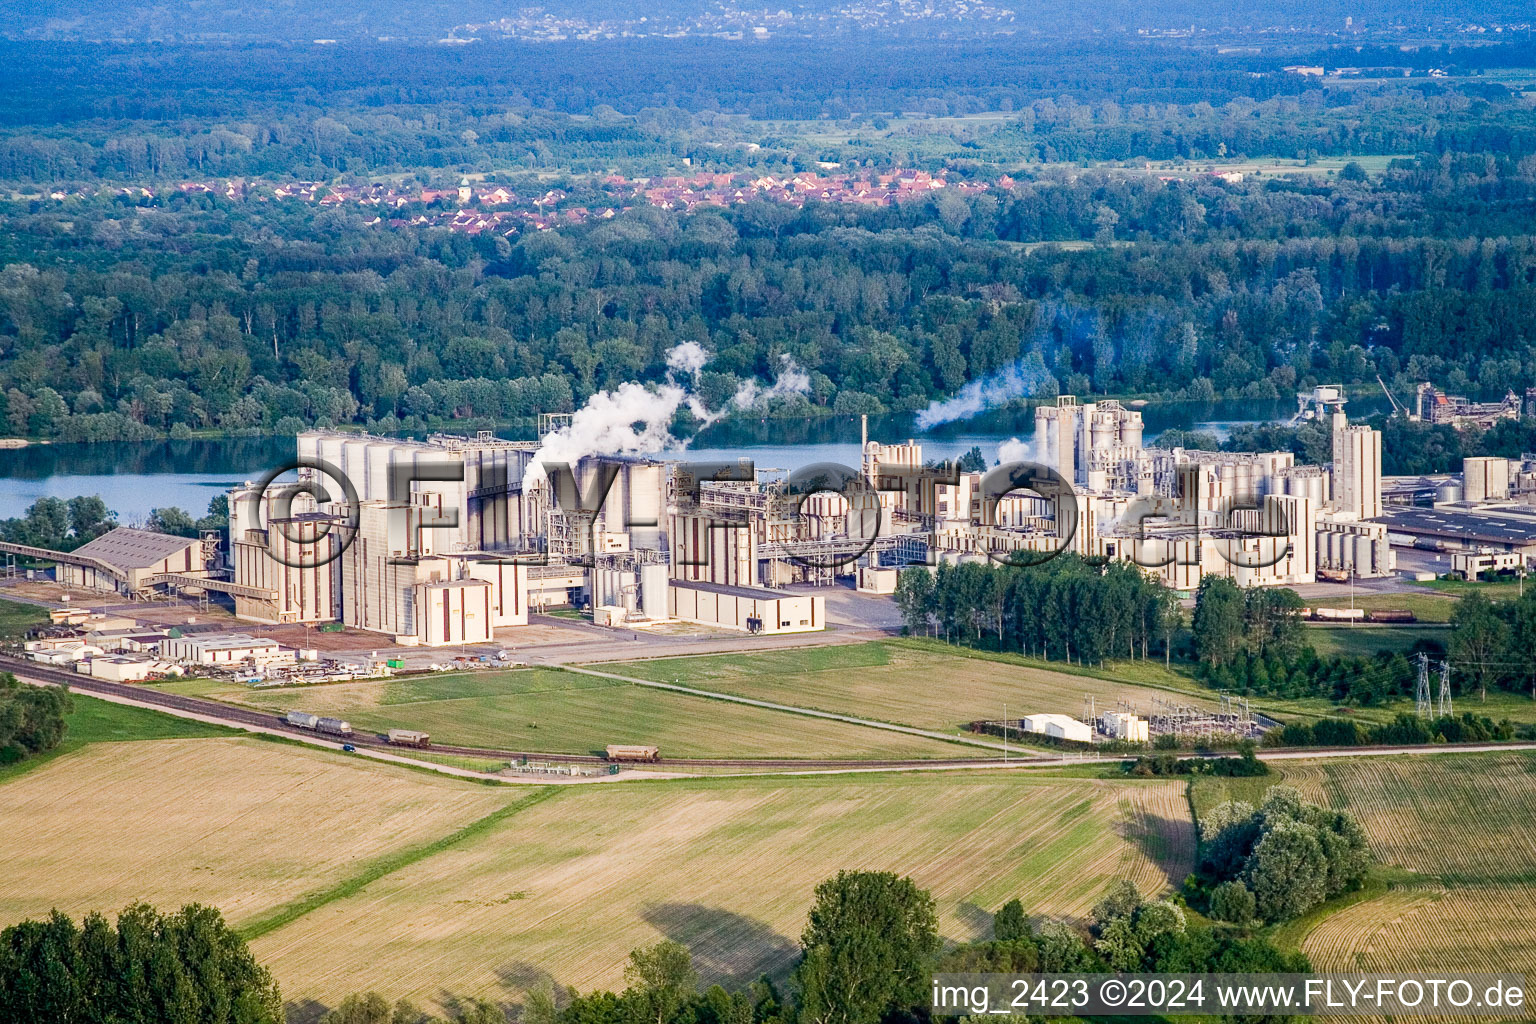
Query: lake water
[{"x": 133, "y": 478}]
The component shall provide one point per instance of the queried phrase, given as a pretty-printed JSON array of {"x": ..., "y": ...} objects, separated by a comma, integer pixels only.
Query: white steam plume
[
  {"x": 791, "y": 381},
  {"x": 688, "y": 357},
  {"x": 1023, "y": 379},
  {"x": 633, "y": 419},
  {"x": 1014, "y": 450}
]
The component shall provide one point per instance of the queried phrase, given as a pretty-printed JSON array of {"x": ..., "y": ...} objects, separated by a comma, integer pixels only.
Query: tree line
[
  {"x": 32, "y": 718},
  {"x": 1066, "y": 609},
  {"x": 273, "y": 317}
]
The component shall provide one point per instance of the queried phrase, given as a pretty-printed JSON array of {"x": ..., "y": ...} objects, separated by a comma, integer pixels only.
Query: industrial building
[
  {"x": 1182, "y": 514},
  {"x": 446, "y": 540},
  {"x": 1061, "y": 727},
  {"x": 746, "y": 609},
  {"x": 128, "y": 560},
  {"x": 224, "y": 649}
]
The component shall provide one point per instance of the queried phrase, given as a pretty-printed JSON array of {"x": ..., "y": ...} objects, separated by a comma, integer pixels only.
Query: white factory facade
[
  {"x": 1256, "y": 517},
  {"x": 449, "y": 539}
]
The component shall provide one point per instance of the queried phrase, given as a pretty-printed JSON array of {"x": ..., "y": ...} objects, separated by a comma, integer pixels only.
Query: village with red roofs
[{"x": 477, "y": 208}]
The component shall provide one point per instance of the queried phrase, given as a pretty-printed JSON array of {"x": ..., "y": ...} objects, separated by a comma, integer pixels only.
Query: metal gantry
[{"x": 1421, "y": 702}]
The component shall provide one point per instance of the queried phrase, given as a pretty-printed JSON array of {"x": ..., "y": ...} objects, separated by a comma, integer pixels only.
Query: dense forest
[
  {"x": 1091, "y": 250},
  {"x": 122, "y": 319}
]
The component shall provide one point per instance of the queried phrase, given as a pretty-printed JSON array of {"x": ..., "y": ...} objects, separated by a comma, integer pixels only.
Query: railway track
[
  {"x": 236, "y": 715},
  {"x": 244, "y": 716}
]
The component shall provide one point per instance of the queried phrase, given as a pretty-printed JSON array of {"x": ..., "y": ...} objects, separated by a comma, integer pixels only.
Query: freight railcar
[{"x": 628, "y": 752}]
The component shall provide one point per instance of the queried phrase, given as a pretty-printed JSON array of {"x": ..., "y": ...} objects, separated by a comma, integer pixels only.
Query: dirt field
[
  {"x": 567, "y": 888},
  {"x": 930, "y": 689},
  {"x": 242, "y": 824}
]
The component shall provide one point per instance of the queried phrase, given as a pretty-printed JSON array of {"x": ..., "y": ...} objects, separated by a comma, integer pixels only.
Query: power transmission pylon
[
  {"x": 1445, "y": 689},
  {"x": 1421, "y": 702}
]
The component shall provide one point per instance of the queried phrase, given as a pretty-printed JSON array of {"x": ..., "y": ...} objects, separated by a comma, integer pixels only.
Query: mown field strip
[
  {"x": 935, "y": 689},
  {"x": 241, "y": 824}
]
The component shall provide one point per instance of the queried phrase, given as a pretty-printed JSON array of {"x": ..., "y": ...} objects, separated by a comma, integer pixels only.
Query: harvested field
[
  {"x": 566, "y": 888},
  {"x": 930, "y": 688},
  {"x": 566, "y": 712},
  {"x": 1468, "y": 818},
  {"x": 241, "y": 824},
  {"x": 1462, "y": 822},
  {"x": 1479, "y": 928}
]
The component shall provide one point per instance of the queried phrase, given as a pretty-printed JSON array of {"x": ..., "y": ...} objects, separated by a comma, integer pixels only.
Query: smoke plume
[
  {"x": 633, "y": 419},
  {"x": 1024, "y": 379}
]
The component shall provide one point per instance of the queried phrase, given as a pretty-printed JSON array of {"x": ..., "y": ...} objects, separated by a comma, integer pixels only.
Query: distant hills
[{"x": 418, "y": 20}]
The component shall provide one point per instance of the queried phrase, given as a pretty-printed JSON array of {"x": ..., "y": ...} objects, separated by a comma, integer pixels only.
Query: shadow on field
[
  {"x": 727, "y": 947},
  {"x": 303, "y": 1011},
  {"x": 976, "y": 919},
  {"x": 1167, "y": 842}
]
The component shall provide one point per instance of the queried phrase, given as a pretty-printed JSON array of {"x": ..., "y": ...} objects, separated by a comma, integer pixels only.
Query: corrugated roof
[{"x": 128, "y": 548}]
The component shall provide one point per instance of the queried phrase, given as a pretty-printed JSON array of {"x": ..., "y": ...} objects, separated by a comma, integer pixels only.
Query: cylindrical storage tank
[
  {"x": 1335, "y": 558},
  {"x": 1130, "y": 431},
  {"x": 653, "y": 590},
  {"x": 354, "y": 463},
  {"x": 1100, "y": 435},
  {"x": 1447, "y": 492},
  {"x": 1363, "y": 560},
  {"x": 380, "y": 456},
  {"x": 307, "y": 444}
]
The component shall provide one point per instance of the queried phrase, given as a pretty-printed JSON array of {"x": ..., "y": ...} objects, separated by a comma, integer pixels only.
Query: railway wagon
[
  {"x": 302, "y": 720},
  {"x": 409, "y": 738},
  {"x": 631, "y": 752},
  {"x": 334, "y": 727},
  {"x": 1390, "y": 615}
]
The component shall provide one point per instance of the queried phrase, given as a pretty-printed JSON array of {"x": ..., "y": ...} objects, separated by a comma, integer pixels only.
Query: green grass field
[
  {"x": 1498, "y": 590},
  {"x": 1366, "y": 641},
  {"x": 16, "y": 618},
  {"x": 549, "y": 710},
  {"x": 1430, "y": 606},
  {"x": 927, "y": 685}
]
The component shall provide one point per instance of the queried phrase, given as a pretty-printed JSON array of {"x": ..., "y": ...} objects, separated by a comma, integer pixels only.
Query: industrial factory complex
[{"x": 456, "y": 541}]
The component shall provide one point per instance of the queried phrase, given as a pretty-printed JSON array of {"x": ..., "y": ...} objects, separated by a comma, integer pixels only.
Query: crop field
[
  {"x": 1463, "y": 825},
  {"x": 565, "y": 712},
  {"x": 564, "y": 889},
  {"x": 100, "y": 721},
  {"x": 918, "y": 685},
  {"x": 242, "y": 824},
  {"x": 1455, "y": 818}
]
